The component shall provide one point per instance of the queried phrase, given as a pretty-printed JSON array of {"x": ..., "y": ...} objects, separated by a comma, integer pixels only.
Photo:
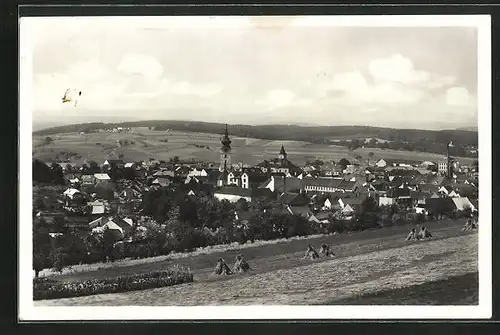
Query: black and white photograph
[{"x": 255, "y": 167}]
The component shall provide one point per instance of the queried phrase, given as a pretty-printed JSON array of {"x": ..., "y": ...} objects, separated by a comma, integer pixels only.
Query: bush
[{"x": 49, "y": 289}]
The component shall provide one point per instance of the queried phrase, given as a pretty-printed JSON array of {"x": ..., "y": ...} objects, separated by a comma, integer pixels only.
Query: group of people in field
[{"x": 241, "y": 265}]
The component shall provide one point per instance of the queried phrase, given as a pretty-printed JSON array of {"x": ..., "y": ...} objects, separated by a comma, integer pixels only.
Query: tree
[
  {"x": 242, "y": 205},
  {"x": 93, "y": 167},
  {"x": 57, "y": 174},
  {"x": 41, "y": 172},
  {"x": 41, "y": 245},
  {"x": 371, "y": 154},
  {"x": 48, "y": 140},
  {"x": 343, "y": 163},
  {"x": 57, "y": 258}
]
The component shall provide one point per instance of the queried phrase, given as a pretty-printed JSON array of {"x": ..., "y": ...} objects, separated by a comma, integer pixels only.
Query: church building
[{"x": 225, "y": 159}]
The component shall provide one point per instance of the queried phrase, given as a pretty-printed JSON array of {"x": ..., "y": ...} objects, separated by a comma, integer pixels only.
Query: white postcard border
[{"x": 28, "y": 312}]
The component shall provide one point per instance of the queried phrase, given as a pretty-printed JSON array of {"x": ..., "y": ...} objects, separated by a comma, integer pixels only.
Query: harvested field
[
  {"x": 459, "y": 290},
  {"x": 284, "y": 279},
  {"x": 267, "y": 254},
  {"x": 148, "y": 144}
]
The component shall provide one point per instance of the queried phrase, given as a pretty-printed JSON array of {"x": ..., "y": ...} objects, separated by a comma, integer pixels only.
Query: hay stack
[
  {"x": 311, "y": 253},
  {"x": 412, "y": 235},
  {"x": 221, "y": 268},
  {"x": 424, "y": 233},
  {"x": 325, "y": 251},
  {"x": 241, "y": 265}
]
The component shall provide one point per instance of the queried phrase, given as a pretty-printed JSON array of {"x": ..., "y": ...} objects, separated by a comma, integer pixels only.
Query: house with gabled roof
[
  {"x": 251, "y": 178},
  {"x": 303, "y": 211},
  {"x": 465, "y": 190},
  {"x": 233, "y": 194},
  {"x": 321, "y": 184},
  {"x": 111, "y": 225},
  {"x": 195, "y": 172},
  {"x": 463, "y": 204},
  {"x": 353, "y": 202},
  {"x": 109, "y": 162},
  {"x": 282, "y": 184},
  {"x": 161, "y": 182},
  {"x": 71, "y": 193},
  {"x": 428, "y": 188},
  {"x": 294, "y": 199},
  {"x": 234, "y": 178},
  {"x": 97, "y": 207},
  {"x": 101, "y": 178},
  {"x": 164, "y": 173}
]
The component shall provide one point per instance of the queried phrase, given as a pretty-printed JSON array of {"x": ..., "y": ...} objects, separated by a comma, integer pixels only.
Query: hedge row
[{"x": 50, "y": 289}]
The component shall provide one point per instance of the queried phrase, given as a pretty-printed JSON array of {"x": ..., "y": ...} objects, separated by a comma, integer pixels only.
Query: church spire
[
  {"x": 226, "y": 141},
  {"x": 282, "y": 154},
  {"x": 225, "y": 150}
]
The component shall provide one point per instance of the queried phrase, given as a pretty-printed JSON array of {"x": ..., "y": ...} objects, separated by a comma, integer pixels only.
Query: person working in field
[
  {"x": 241, "y": 265},
  {"x": 424, "y": 233},
  {"x": 311, "y": 253},
  {"x": 412, "y": 235},
  {"x": 325, "y": 251},
  {"x": 221, "y": 268}
]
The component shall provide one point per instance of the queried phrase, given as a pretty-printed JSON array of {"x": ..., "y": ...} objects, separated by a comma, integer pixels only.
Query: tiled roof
[
  {"x": 354, "y": 201},
  {"x": 322, "y": 182},
  {"x": 102, "y": 176}
]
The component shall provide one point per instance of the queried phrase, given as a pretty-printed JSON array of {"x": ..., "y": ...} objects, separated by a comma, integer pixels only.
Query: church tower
[
  {"x": 225, "y": 152},
  {"x": 282, "y": 155}
]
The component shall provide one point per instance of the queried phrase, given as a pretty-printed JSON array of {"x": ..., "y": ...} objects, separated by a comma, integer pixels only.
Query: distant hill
[
  {"x": 313, "y": 134},
  {"x": 468, "y": 129}
]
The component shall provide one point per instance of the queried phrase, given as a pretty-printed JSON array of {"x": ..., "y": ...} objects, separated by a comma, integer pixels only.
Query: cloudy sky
[{"x": 254, "y": 71}]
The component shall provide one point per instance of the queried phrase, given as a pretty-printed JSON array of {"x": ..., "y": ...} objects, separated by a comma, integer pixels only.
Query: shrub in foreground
[{"x": 50, "y": 289}]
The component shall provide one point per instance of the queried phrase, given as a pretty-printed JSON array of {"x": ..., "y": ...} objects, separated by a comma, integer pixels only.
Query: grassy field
[
  {"x": 365, "y": 264},
  {"x": 199, "y": 146},
  {"x": 267, "y": 254},
  {"x": 465, "y": 291}
]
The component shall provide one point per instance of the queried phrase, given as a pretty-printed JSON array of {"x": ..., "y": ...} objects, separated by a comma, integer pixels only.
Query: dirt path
[{"x": 314, "y": 283}]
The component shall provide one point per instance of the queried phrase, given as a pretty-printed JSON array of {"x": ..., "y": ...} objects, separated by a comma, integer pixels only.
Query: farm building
[{"x": 233, "y": 194}]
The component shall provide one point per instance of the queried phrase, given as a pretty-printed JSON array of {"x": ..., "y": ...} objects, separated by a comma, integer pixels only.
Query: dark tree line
[{"x": 42, "y": 173}]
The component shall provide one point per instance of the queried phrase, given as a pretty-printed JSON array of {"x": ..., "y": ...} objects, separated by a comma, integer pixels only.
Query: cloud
[
  {"x": 396, "y": 68},
  {"x": 353, "y": 89},
  {"x": 391, "y": 81},
  {"x": 201, "y": 90},
  {"x": 140, "y": 65},
  {"x": 280, "y": 98},
  {"x": 458, "y": 96}
]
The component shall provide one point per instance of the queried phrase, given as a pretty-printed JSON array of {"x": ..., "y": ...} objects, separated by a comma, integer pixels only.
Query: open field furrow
[{"x": 316, "y": 283}]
